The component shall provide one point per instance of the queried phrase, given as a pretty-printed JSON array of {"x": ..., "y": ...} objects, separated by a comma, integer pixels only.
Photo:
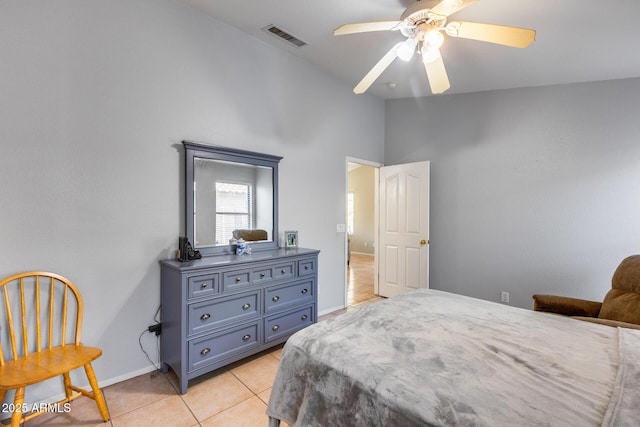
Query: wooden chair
[{"x": 40, "y": 339}]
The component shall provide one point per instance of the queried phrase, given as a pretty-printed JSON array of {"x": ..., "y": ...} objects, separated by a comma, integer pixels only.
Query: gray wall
[
  {"x": 532, "y": 190},
  {"x": 95, "y": 98}
]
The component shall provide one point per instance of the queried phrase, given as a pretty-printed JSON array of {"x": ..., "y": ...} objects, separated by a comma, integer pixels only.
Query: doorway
[
  {"x": 361, "y": 232},
  {"x": 387, "y": 229}
]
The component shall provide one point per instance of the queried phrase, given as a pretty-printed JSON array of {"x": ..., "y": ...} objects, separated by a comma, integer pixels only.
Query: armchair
[{"x": 621, "y": 305}]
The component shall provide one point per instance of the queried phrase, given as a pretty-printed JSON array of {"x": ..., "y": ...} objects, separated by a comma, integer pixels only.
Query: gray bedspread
[{"x": 431, "y": 358}]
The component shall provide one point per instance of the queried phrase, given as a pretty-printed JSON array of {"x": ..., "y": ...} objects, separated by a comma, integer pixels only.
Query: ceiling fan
[{"x": 422, "y": 24}]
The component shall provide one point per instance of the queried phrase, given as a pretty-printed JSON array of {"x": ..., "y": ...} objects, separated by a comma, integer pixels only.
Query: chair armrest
[{"x": 565, "y": 305}]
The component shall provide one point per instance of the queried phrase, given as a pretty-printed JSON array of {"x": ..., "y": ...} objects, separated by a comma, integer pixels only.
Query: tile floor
[{"x": 234, "y": 396}]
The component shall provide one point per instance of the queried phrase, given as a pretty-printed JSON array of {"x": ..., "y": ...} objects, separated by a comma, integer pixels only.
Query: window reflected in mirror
[{"x": 231, "y": 196}]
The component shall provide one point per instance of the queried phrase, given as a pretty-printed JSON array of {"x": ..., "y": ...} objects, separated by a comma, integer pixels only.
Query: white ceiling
[{"x": 576, "y": 41}]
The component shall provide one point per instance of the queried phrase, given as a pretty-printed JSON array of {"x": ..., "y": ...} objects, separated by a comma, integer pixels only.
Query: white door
[{"x": 404, "y": 228}]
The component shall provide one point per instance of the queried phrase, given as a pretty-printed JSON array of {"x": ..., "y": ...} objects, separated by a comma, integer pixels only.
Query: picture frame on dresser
[
  {"x": 291, "y": 239},
  {"x": 224, "y": 307}
]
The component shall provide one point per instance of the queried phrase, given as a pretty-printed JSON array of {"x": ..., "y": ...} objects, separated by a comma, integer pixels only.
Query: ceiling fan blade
[
  {"x": 377, "y": 69},
  {"x": 449, "y": 7},
  {"x": 365, "y": 27},
  {"x": 437, "y": 75},
  {"x": 500, "y": 34}
]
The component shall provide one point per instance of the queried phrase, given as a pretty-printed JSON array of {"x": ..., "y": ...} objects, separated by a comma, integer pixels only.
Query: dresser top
[{"x": 229, "y": 259}]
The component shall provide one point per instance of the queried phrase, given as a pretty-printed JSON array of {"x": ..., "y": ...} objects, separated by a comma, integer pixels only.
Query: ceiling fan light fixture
[
  {"x": 433, "y": 39},
  {"x": 429, "y": 54},
  {"x": 422, "y": 23},
  {"x": 406, "y": 49}
]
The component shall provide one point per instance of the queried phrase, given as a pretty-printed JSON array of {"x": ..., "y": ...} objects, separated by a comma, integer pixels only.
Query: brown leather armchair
[{"x": 621, "y": 305}]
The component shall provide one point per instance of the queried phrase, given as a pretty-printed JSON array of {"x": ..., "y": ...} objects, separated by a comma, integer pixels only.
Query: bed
[{"x": 431, "y": 358}]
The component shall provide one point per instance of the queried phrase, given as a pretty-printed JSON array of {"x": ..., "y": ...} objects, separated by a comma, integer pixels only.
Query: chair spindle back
[{"x": 47, "y": 322}]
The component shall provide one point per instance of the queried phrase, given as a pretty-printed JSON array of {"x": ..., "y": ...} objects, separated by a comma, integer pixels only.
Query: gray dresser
[{"x": 222, "y": 308}]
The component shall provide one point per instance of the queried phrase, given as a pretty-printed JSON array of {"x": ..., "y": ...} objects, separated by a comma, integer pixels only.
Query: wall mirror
[{"x": 230, "y": 194}]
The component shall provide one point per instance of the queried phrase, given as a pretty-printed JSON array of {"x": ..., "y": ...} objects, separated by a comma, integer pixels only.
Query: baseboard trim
[
  {"x": 361, "y": 253},
  {"x": 329, "y": 310},
  {"x": 127, "y": 376}
]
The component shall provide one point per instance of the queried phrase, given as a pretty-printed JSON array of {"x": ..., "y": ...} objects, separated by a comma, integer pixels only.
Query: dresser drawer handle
[
  {"x": 237, "y": 279},
  {"x": 246, "y": 337},
  {"x": 205, "y": 351},
  {"x": 246, "y": 306},
  {"x": 283, "y": 271},
  {"x": 204, "y": 285},
  {"x": 305, "y": 290},
  {"x": 304, "y": 317},
  {"x": 205, "y": 316},
  {"x": 276, "y": 298},
  {"x": 306, "y": 267},
  {"x": 275, "y": 327},
  {"x": 261, "y": 275}
]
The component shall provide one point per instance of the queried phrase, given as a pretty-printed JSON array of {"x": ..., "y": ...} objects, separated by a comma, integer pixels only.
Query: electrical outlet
[
  {"x": 504, "y": 297},
  {"x": 157, "y": 328}
]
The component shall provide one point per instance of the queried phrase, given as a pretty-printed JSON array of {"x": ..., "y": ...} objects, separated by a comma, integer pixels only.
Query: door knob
[{"x": 423, "y": 242}]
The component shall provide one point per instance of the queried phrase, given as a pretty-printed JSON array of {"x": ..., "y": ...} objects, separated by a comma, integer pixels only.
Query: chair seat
[{"x": 40, "y": 366}]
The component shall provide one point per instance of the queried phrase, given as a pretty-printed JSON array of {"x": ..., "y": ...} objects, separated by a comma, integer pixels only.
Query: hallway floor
[{"x": 360, "y": 274}]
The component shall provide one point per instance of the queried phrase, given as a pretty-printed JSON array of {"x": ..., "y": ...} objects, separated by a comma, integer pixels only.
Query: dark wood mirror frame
[{"x": 196, "y": 150}]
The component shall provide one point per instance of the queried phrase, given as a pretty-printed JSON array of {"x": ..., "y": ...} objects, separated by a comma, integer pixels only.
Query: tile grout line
[
  {"x": 254, "y": 394},
  {"x": 166, "y": 378},
  {"x": 184, "y": 402}
]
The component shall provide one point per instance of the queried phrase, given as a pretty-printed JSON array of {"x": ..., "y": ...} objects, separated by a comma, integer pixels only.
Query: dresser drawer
[
  {"x": 236, "y": 279},
  {"x": 284, "y": 271},
  {"x": 307, "y": 267},
  {"x": 262, "y": 275},
  {"x": 214, "y": 347},
  {"x": 281, "y": 297},
  {"x": 279, "y": 325},
  {"x": 212, "y": 314},
  {"x": 203, "y": 285}
]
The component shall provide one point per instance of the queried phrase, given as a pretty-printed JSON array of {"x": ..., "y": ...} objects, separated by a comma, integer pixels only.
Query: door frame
[{"x": 376, "y": 224}]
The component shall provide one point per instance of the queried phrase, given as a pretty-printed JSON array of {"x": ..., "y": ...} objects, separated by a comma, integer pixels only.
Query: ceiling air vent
[{"x": 283, "y": 35}]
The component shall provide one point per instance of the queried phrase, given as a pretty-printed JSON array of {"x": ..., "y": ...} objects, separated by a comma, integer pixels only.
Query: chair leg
[
  {"x": 3, "y": 393},
  {"x": 66, "y": 379},
  {"x": 18, "y": 400},
  {"x": 97, "y": 393}
]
